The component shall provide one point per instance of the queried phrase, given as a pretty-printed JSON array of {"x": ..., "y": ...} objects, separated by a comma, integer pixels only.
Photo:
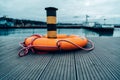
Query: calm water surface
[{"x": 82, "y": 32}]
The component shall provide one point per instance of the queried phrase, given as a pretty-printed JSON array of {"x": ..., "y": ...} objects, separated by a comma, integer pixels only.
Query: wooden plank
[
  {"x": 103, "y": 63},
  {"x": 61, "y": 67},
  {"x": 27, "y": 67}
]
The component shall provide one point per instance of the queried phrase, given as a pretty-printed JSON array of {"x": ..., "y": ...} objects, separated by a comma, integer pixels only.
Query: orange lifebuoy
[{"x": 62, "y": 42}]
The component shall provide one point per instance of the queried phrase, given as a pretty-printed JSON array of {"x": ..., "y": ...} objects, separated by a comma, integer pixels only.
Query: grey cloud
[{"x": 34, "y": 9}]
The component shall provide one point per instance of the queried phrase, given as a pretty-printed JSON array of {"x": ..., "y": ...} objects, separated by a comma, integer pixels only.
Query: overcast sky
[{"x": 68, "y": 10}]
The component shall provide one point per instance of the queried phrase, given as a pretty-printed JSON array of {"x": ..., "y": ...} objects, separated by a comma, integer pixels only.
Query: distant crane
[
  {"x": 105, "y": 21},
  {"x": 87, "y": 19}
]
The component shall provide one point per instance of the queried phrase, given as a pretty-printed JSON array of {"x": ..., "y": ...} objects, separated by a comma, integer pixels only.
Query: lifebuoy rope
[
  {"x": 87, "y": 49},
  {"x": 25, "y": 49}
]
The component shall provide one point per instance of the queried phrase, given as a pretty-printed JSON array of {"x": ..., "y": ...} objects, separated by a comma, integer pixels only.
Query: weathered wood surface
[{"x": 103, "y": 63}]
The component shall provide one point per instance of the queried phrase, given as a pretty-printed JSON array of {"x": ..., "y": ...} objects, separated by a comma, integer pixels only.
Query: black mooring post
[{"x": 51, "y": 22}]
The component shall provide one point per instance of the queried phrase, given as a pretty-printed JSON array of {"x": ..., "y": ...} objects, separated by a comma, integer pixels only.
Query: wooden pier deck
[{"x": 103, "y": 63}]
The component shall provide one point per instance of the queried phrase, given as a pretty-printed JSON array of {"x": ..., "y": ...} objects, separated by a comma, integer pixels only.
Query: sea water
[{"x": 82, "y": 32}]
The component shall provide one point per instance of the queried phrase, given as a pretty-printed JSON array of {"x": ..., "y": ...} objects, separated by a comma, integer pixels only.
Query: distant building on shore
[
  {"x": 98, "y": 25},
  {"x": 92, "y": 24},
  {"x": 10, "y": 22}
]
